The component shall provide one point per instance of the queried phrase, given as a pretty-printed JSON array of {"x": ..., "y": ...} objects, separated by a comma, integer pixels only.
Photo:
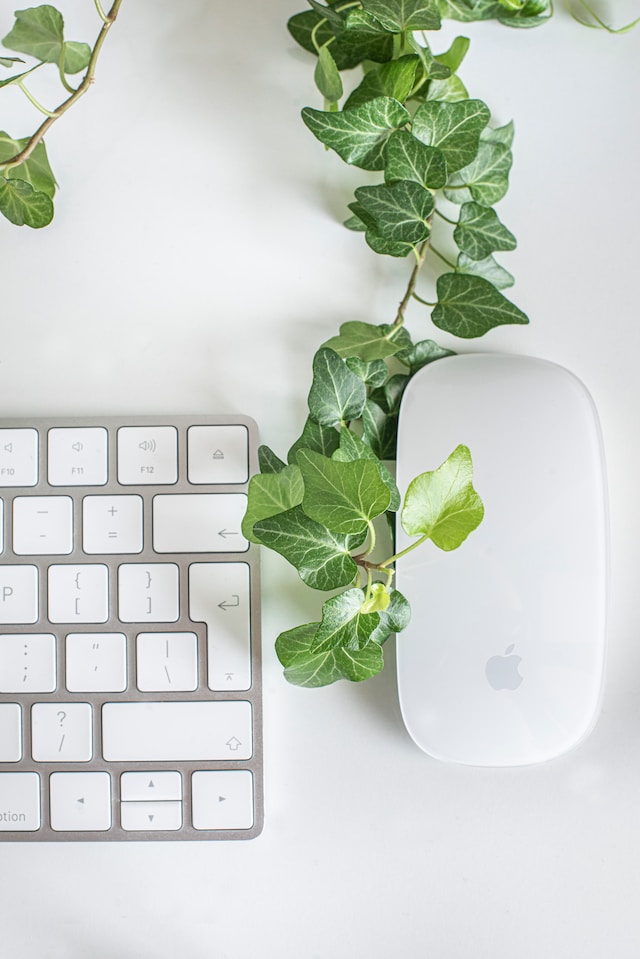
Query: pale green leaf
[
  {"x": 305, "y": 666},
  {"x": 456, "y": 53},
  {"x": 269, "y": 494},
  {"x": 345, "y": 624},
  {"x": 398, "y": 16},
  {"x": 469, "y": 306},
  {"x": 352, "y": 448},
  {"x": 35, "y": 170},
  {"x": 442, "y": 504},
  {"x": 76, "y": 56},
  {"x": 486, "y": 177},
  {"x": 503, "y": 134},
  {"x": 452, "y": 127},
  {"x": 38, "y": 32},
  {"x": 364, "y": 340},
  {"x": 451, "y": 90},
  {"x": 480, "y": 232},
  {"x": 344, "y": 497},
  {"x": 23, "y": 205},
  {"x": 488, "y": 268}
]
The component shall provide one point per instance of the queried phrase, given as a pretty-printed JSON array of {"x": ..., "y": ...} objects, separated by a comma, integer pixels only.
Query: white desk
[{"x": 195, "y": 264}]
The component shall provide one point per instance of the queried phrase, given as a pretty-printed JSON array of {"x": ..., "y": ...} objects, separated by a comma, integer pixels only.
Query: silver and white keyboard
[{"x": 130, "y": 670}]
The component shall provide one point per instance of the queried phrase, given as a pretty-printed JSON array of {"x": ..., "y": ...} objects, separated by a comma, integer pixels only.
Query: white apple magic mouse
[{"x": 502, "y": 662}]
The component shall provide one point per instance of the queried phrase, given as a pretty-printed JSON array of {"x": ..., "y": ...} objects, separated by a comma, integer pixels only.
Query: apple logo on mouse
[{"x": 502, "y": 671}]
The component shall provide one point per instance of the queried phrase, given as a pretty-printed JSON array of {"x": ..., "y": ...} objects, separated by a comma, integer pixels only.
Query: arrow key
[
  {"x": 154, "y": 786},
  {"x": 154, "y": 816},
  {"x": 80, "y": 802}
]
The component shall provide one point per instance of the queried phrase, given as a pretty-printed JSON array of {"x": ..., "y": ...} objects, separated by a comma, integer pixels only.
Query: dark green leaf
[
  {"x": 23, "y": 205},
  {"x": 479, "y": 232},
  {"x": 398, "y": 212},
  {"x": 442, "y": 504},
  {"x": 320, "y": 439},
  {"x": 364, "y": 340},
  {"x": 488, "y": 268},
  {"x": 9, "y": 61},
  {"x": 486, "y": 177},
  {"x": 352, "y": 448},
  {"x": 327, "y": 76},
  {"x": 380, "y": 430},
  {"x": 394, "y": 79},
  {"x": 359, "y": 135},
  {"x": 270, "y": 494},
  {"x": 399, "y": 16},
  {"x": 381, "y": 245},
  {"x": 350, "y": 46},
  {"x": 469, "y": 306},
  {"x": 467, "y": 12},
  {"x": 371, "y": 372},
  {"x": 321, "y": 557},
  {"x": 337, "y": 395},
  {"x": 268, "y": 461},
  {"x": 304, "y": 666},
  {"x": 393, "y": 619},
  {"x": 344, "y": 625},
  {"x": 409, "y": 159},
  {"x": 452, "y": 127},
  {"x": 424, "y": 352},
  {"x": 344, "y": 497}
]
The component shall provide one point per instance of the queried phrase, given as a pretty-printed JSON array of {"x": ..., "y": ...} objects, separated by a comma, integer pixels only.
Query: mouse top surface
[{"x": 502, "y": 663}]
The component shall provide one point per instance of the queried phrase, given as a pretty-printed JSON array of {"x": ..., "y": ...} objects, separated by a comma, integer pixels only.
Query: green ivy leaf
[
  {"x": 469, "y": 306},
  {"x": 321, "y": 557},
  {"x": 320, "y": 439},
  {"x": 38, "y": 32},
  {"x": 304, "y": 666},
  {"x": 398, "y": 212},
  {"x": 442, "y": 504},
  {"x": 451, "y": 90},
  {"x": 479, "y": 232},
  {"x": 327, "y": 76},
  {"x": 424, "y": 352},
  {"x": 380, "y": 244},
  {"x": 35, "y": 170},
  {"x": 371, "y": 372},
  {"x": 502, "y": 134},
  {"x": 268, "y": 461},
  {"x": 488, "y": 268},
  {"x": 456, "y": 53},
  {"x": 452, "y": 127},
  {"x": 409, "y": 159},
  {"x": 394, "y": 79},
  {"x": 393, "y": 619},
  {"x": 364, "y": 340},
  {"x": 352, "y": 448},
  {"x": 76, "y": 57},
  {"x": 23, "y": 205},
  {"x": 380, "y": 430},
  {"x": 269, "y": 494},
  {"x": 9, "y": 61},
  {"x": 467, "y": 11},
  {"x": 359, "y": 135},
  {"x": 344, "y": 497},
  {"x": 486, "y": 177},
  {"x": 350, "y": 46},
  {"x": 337, "y": 395},
  {"x": 399, "y": 16},
  {"x": 344, "y": 624}
]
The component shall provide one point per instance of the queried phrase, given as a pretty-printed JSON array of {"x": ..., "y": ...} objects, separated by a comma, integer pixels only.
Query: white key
[
  {"x": 218, "y": 454},
  {"x": 112, "y": 524},
  {"x": 199, "y": 523},
  {"x": 222, "y": 799},
  {"x": 148, "y": 593},
  {"x": 1, "y": 525},
  {"x": 18, "y": 594},
  {"x": 80, "y": 801},
  {"x": 10, "y": 733},
  {"x": 147, "y": 454},
  {"x": 18, "y": 457},
  {"x": 154, "y": 786},
  {"x": 77, "y": 456},
  {"x": 219, "y": 597},
  {"x": 28, "y": 663},
  {"x": 167, "y": 661},
  {"x": 154, "y": 816},
  {"x": 61, "y": 732},
  {"x": 96, "y": 662},
  {"x": 42, "y": 525},
  {"x": 172, "y": 732},
  {"x": 78, "y": 594},
  {"x": 19, "y": 802}
]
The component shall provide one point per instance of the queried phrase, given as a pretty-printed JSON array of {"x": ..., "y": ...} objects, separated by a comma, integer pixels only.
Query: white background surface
[{"x": 195, "y": 263}]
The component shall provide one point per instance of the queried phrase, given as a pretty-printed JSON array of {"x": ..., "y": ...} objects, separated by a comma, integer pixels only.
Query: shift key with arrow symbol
[{"x": 219, "y": 597}]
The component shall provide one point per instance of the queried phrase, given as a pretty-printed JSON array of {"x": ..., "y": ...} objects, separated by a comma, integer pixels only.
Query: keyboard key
[
  {"x": 28, "y": 663},
  {"x": 148, "y": 593},
  {"x": 77, "y": 456},
  {"x": 78, "y": 594},
  {"x": 18, "y": 594},
  {"x": 199, "y": 523},
  {"x": 218, "y": 454},
  {"x": 222, "y": 799},
  {"x": 147, "y": 454},
  {"x": 175, "y": 731},
  {"x": 10, "y": 733},
  {"x": 219, "y": 597},
  {"x": 42, "y": 525},
  {"x": 19, "y": 802},
  {"x": 112, "y": 524},
  {"x": 61, "y": 732},
  {"x": 154, "y": 786},
  {"x": 154, "y": 816},
  {"x": 80, "y": 801},
  {"x": 96, "y": 662},
  {"x": 167, "y": 661},
  {"x": 18, "y": 457}
]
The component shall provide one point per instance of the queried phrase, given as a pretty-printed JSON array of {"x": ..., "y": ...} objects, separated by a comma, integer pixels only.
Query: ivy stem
[
  {"x": 101, "y": 12},
  {"x": 446, "y": 218},
  {"x": 403, "y": 552},
  {"x": 424, "y": 302},
  {"x": 372, "y": 539},
  {"x": 421, "y": 253},
  {"x": 108, "y": 21},
  {"x": 442, "y": 257},
  {"x": 30, "y": 97}
]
